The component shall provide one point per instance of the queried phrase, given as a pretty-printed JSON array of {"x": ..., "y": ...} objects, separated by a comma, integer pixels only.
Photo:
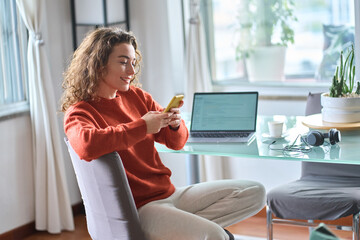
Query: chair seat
[{"x": 326, "y": 198}]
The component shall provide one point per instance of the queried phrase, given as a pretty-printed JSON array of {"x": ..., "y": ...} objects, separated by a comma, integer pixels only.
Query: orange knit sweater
[{"x": 95, "y": 128}]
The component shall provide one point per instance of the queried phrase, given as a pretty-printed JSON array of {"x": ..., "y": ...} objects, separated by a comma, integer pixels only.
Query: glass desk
[{"x": 346, "y": 151}]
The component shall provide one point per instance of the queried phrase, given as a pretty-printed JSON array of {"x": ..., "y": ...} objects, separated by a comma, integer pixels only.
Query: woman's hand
[
  {"x": 156, "y": 120},
  {"x": 175, "y": 117}
]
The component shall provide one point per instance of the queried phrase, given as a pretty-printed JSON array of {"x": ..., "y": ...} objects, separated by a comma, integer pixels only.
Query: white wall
[
  {"x": 16, "y": 171},
  {"x": 157, "y": 25}
]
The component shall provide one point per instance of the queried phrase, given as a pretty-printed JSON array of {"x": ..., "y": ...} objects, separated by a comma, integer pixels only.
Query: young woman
[{"x": 106, "y": 111}]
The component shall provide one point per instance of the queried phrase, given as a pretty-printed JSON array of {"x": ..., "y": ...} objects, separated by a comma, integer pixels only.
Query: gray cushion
[
  {"x": 324, "y": 192},
  {"x": 109, "y": 205},
  {"x": 313, "y": 104}
]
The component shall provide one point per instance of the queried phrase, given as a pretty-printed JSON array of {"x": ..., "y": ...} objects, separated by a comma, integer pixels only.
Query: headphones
[
  {"x": 313, "y": 138},
  {"x": 316, "y": 138}
]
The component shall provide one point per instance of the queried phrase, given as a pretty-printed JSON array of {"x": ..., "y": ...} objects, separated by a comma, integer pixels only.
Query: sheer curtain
[
  {"x": 52, "y": 204},
  {"x": 198, "y": 80}
]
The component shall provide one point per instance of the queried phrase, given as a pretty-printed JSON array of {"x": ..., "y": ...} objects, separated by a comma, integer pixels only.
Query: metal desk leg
[
  {"x": 192, "y": 164},
  {"x": 269, "y": 223}
]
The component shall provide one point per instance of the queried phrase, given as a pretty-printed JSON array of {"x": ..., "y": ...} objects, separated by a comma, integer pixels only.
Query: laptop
[{"x": 223, "y": 117}]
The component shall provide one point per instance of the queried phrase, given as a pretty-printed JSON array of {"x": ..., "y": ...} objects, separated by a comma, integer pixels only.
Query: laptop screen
[{"x": 225, "y": 111}]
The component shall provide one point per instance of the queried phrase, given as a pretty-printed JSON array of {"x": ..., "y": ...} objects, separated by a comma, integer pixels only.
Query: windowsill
[
  {"x": 274, "y": 89},
  {"x": 13, "y": 110}
]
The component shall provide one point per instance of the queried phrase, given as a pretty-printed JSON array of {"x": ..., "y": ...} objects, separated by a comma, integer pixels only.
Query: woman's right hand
[{"x": 156, "y": 120}]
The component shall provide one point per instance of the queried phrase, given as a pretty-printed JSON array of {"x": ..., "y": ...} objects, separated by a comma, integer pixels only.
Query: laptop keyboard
[{"x": 220, "y": 135}]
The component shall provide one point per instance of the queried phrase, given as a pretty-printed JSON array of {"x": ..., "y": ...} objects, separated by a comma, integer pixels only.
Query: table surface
[{"x": 346, "y": 151}]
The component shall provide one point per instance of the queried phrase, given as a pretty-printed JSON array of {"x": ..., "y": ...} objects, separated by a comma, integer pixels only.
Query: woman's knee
[
  {"x": 259, "y": 195},
  {"x": 250, "y": 194},
  {"x": 217, "y": 234},
  {"x": 259, "y": 190}
]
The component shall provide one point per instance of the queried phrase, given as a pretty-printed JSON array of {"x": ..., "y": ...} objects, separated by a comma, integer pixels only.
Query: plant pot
[
  {"x": 266, "y": 64},
  {"x": 340, "y": 109}
]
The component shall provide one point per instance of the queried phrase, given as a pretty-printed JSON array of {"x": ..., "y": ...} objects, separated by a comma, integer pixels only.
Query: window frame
[
  {"x": 270, "y": 88},
  {"x": 17, "y": 101}
]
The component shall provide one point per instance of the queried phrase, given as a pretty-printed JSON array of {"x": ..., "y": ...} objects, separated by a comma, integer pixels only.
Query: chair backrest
[
  {"x": 109, "y": 205},
  {"x": 313, "y": 104},
  {"x": 314, "y": 170}
]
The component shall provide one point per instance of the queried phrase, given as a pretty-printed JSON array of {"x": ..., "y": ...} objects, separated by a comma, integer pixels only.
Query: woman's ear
[{"x": 102, "y": 72}]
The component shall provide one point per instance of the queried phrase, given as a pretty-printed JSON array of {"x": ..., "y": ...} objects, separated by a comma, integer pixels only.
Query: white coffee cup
[{"x": 275, "y": 128}]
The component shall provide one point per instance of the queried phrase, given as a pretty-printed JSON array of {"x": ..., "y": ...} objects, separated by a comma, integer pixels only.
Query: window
[
  {"x": 13, "y": 43},
  {"x": 322, "y": 29}
]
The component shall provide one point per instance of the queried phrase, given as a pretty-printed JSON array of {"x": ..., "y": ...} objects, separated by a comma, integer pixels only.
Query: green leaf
[
  {"x": 358, "y": 88},
  {"x": 344, "y": 78}
]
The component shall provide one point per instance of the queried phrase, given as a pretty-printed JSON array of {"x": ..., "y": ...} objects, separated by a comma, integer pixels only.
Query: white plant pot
[
  {"x": 340, "y": 109},
  {"x": 266, "y": 64}
]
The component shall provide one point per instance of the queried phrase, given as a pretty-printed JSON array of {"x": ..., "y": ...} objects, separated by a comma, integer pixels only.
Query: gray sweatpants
[{"x": 200, "y": 211}]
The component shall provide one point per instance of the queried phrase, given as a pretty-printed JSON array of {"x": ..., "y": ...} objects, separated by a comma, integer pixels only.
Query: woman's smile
[{"x": 126, "y": 79}]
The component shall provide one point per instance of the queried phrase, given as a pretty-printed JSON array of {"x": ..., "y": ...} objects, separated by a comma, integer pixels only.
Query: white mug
[{"x": 275, "y": 128}]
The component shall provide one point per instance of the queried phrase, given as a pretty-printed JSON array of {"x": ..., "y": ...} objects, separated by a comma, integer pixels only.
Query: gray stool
[{"x": 325, "y": 191}]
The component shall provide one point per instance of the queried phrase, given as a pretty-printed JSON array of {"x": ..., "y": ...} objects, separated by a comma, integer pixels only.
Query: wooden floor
[{"x": 254, "y": 226}]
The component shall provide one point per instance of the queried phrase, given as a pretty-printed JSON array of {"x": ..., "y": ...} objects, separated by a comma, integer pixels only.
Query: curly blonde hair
[{"x": 87, "y": 67}]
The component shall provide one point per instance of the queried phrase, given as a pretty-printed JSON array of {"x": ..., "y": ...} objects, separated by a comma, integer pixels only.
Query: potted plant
[
  {"x": 264, "y": 33},
  {"x": 342, "y": 103}
]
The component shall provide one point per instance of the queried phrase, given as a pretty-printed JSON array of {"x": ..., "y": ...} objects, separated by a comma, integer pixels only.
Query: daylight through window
[
  {"x": 13, "y": 40},
  {"x": 239, "y": 33}
]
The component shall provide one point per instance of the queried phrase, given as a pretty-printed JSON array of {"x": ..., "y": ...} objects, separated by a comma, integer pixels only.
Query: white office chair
[
  {"x": 109, "y": 205},
  {"x": 324, "y": 191}
]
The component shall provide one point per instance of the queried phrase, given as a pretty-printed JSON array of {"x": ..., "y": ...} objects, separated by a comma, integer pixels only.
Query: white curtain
[
  {"x": 198, "y": 80},
  {"x": 52, "y": 205},
  {"x": 197, "y": 70}
]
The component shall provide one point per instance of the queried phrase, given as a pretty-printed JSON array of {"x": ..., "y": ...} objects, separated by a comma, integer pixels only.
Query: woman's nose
[{"x": 130, "y": 69}]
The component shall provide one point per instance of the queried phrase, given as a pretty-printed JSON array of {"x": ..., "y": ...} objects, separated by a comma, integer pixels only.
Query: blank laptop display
[{"x": 223, "y": 117}]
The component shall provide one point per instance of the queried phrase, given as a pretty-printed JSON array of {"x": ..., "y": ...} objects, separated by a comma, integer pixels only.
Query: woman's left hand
[{"x": 175, "y": 117}]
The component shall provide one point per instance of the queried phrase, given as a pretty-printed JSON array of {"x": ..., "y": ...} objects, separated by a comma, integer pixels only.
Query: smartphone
[{"x": 174, "y": 103}]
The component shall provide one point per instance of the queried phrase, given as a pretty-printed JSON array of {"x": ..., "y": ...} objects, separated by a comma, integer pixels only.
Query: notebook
[{"x": 223, "y": 116}]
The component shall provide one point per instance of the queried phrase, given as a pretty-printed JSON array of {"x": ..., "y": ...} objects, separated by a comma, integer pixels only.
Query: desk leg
[{"x": 193, "y": 169}]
